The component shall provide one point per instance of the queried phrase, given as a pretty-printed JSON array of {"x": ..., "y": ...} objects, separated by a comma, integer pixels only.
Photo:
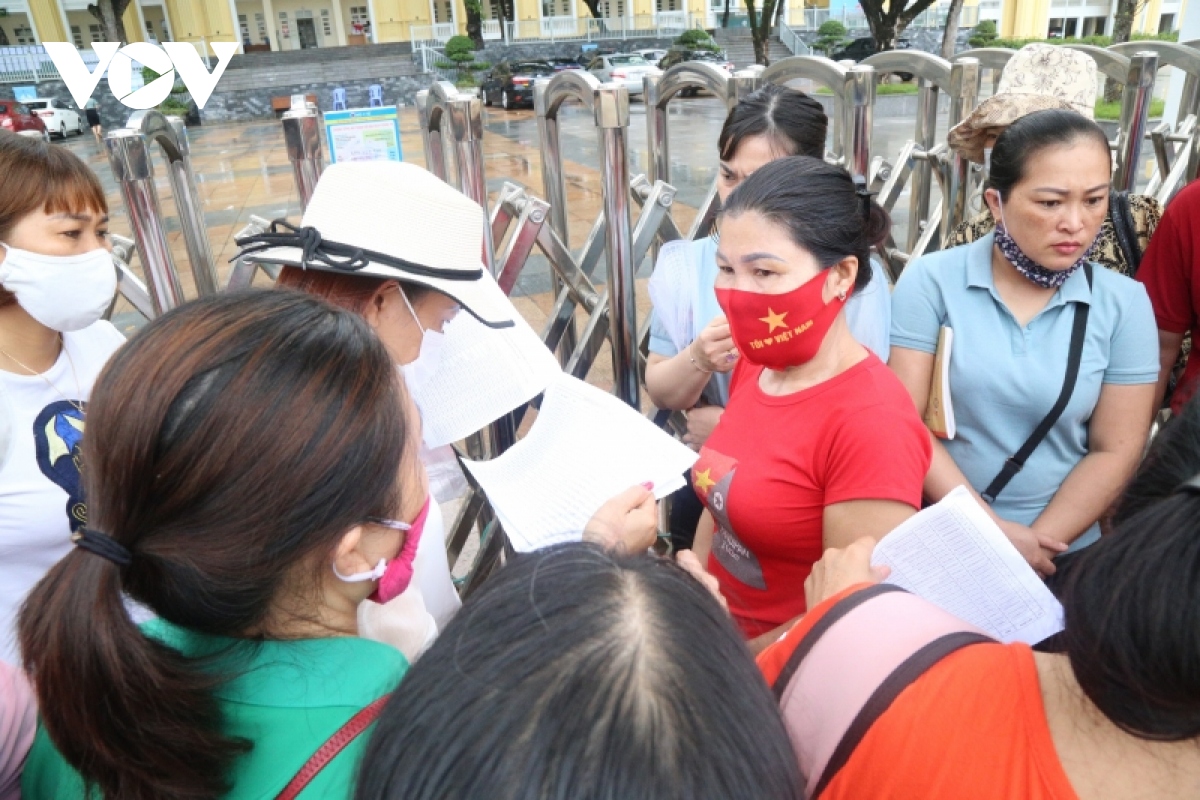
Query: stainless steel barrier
[
  {"x": 129, "y": 285},
  {"x": 302, "y": 135},
  {"x": 609, "y": 104}
]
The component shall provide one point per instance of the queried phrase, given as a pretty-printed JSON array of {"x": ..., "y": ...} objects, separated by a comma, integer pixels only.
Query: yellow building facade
[{"x": 302, "y": 24}]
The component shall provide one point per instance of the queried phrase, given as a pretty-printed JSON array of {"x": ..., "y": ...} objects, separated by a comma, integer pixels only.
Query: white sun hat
[
  {"x": 1038, "y": 77},
  {"x": 388, "y": 219}
]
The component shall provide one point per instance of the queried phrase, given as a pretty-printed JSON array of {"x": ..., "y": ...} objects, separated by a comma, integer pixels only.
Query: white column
[
  {"x": 141, "y": 18},
  {"x": 339, "y": 25},
  {"x": 66, "y": 23},
  {"x": 237, "y": 27},
  {"x": 37, "y": 35},
  {"x": 1189, "y": 30}
]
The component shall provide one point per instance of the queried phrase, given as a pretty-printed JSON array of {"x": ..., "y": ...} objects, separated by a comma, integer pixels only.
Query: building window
[
  {"x": 244, "y": 25},
  {"x": 668, "y": 5},
  {"x": 261, "y": 22},
  {"x": 150, "y": 29},
  {"x": 326, "y": 25},
  {"x": 95, "y": 32},
  {"x": 358, "y": 15},
  {"x": 556, "y": 8},
  {"x": 77, "y": 37},
  {"x": 1166, "y": 23},
  {"x": 24, "y": 34},
  {"x": 1094, "y": 26},
  {"x": 610, "y": 9}
]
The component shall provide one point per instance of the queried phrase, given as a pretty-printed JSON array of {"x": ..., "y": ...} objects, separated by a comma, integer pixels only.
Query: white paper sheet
[
  {"x": 585, "y": 447},
  {"x": 483, "y": 374},
  {"x": 954, "y": 556}
]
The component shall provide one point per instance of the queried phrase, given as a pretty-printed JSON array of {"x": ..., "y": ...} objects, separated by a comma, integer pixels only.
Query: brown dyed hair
[
  {"x": 230, "y": 446},
  {"x": 35, "y": 175},
  {"x": 345, "y": 290}
]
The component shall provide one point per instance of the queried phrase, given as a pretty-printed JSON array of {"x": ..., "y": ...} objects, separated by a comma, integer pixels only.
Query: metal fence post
[
  {"x": 129, "y": 157},
  {"x": 302, "y": 133},
  {"x": 466, "y": 123},
  {"x": 555, "y": 187},
  {"x": 191, "y": 212},
  {"x": 858, "y": 106},
  {"x": 611, "y": 113},
  {"x": 964, "y": 90},
  {"x": 1135, "y": 109}
]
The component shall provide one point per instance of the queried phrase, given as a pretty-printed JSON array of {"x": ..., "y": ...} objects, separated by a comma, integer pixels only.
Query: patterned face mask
[{"x": 1033, "y": 271}]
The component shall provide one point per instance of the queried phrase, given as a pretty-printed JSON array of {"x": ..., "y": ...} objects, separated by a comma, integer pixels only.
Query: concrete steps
[
  {"x": 738, "y": 44},
  {"x": 356, "y": 70},
  {"x": 318, "y": 55}
]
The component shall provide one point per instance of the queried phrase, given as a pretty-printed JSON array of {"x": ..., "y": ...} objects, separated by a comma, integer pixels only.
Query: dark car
[
  {"x": 17, "y": 117},
  {"x": 864, "y": 47},
  {"x": 678, "y": 56},
  {"x": 564, "y": 64},
  {"x": 510, "y": 83}
]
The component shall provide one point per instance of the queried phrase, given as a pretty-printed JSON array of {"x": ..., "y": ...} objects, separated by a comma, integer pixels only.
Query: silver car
[{"x": 627, "y": 68}]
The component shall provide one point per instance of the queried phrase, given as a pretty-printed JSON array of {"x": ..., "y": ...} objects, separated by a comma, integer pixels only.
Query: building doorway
[{"x": 307, "y": 32}]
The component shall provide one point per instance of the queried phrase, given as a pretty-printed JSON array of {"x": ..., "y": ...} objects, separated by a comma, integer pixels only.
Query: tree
[
  {"x": 950, "y": 37},
  {"x": 888, "y": 18},
  {"x": 725, "y": 16},
  {"x": 111, "y": 14},
  {"x": 697, "y": 39},
  {"x": 1127, "y": 11},
  {"x": 760, "y": 29},
  {"x": 983, "y": 34},
  {"x": 830, "y": 36},
  {"x": 474, "y": 22},
  {"x": 460, "y": 55}
]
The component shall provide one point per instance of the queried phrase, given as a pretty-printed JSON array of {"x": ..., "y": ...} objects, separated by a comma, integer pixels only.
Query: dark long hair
[
  {"x": 1032, "y": 133},
  {"x": 794, "y": 122},
  {"x": 817, "y": 204},
  {"x": 576, "y": 674},
  {"x": 1132, "y": 600},
  {"x": 230, "y": 445}
]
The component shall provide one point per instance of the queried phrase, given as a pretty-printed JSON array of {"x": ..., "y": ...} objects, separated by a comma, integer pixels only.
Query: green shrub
[
  {"x": 1112, "y": 111},
  {"x": 460, "y": 57},
  {"x": 984, "y": 34},
  {"x": 830, "y": 36},
  {"x": 1098, "y": 41},
  {"x": 696, "y": 39}
]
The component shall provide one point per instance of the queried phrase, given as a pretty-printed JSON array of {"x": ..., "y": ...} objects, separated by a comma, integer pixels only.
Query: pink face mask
[{"x": 394, "y": 576}]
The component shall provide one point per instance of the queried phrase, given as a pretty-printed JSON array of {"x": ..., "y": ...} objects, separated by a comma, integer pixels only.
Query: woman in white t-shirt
[{"x": 56, "y": 281}]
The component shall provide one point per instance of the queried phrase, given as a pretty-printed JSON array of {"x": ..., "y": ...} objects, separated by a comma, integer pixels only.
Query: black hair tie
[
  {"x": 864, "y": 196},
  {"x": 104, "y": 546}
]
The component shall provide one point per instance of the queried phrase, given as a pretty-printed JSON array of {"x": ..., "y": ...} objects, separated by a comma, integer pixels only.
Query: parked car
[
  {"x": 564, "y": 64},
  {"x": 16, "y": 117},
  {"x": 864, "y": 47},
  {"x": 652, "y": 55},
  {"x": 59, "y": 117},
  {"x": 627, "y": 68},
  {"x": 679, "y": 56},
  {"x": 510, "y": 83}
]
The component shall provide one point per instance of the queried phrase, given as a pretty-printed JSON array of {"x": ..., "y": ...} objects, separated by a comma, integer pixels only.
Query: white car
[
  {"x": 653, "y": 56},
  {"x": 59, "y": 117},
  {"x": 627, "y": 68}
]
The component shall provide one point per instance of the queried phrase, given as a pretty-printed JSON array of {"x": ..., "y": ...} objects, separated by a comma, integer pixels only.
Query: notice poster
[{"x": 363, "y": 134}]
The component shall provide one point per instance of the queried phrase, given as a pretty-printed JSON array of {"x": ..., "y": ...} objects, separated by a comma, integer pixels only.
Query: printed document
[
  {"x": 954, "y": 556},
  {"x": 482, "y": 374},
  {"x": 584, "y": 447}
]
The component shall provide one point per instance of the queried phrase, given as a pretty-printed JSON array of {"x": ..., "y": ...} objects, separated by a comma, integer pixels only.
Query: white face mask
[
  {"x": 64, "y": 293},
  {"x": 419, "y": 373}
]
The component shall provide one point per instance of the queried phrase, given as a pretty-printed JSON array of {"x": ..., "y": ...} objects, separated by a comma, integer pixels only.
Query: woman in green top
[{"x": 252, "y": 474}]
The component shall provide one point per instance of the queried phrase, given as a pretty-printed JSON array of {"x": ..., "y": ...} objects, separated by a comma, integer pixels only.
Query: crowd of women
[{"x": 235, "y": 584}]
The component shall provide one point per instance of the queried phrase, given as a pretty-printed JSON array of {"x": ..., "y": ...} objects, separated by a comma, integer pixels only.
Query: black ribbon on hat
[
  {"x": 103, "y": 545},
  {"x": 315, "y": 249}
]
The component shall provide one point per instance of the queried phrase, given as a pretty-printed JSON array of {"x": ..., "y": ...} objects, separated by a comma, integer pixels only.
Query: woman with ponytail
[
  {"x": 819, "y": 444},
  {"x": 252, "y": 478}
]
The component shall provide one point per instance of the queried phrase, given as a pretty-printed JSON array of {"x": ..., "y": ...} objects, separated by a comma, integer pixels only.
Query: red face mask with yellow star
[{"x": 780, "y": 330}]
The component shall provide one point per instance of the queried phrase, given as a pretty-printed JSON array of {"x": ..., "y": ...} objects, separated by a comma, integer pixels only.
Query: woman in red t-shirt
[{"x": 820, "y": 443}]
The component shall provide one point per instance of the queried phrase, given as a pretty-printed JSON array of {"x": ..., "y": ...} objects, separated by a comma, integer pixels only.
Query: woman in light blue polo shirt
[{"x": 1011, "y": 299}]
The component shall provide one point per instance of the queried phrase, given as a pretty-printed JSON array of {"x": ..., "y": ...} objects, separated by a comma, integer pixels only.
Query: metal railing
[
  {"x": 567, "y": 29},
  {"x": 31, "y": 64},
  {"x": 792, "y": 41}
]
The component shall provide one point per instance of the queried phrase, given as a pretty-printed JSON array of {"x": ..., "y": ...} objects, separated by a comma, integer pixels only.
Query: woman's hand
[
  {"x": 692, "y": 566},
  {"x": 714, "y": 350},
  {"x": 627, "y": 523},
  {"x": 841, "y": 568},
  {"x": 700, "y": 424},
  {"x": 1036, "y": 548}
]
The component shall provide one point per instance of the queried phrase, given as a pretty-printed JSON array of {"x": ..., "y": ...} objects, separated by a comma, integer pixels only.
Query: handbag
[
  {"x": 1125, "y": 229},
  {"x": 1017, "y": 462},
  {"x": 334, "y": 745}
]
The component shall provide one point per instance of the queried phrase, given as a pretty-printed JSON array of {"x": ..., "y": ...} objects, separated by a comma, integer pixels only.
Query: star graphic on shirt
[
  {"x": 703, "y": 481},
  {"x": 774, "y": 320}
]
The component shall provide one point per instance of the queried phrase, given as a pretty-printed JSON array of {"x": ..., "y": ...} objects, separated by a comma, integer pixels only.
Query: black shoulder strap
[
  {"x": 1017, "y": 462},
  {"x": 826, "y": 622},
  {"x": 1125, "y": 228},
  {"x": 882, "y": 698}
]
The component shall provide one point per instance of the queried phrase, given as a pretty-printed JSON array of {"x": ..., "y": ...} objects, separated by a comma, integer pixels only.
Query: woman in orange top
[{"x": 1115, "y": 715}]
